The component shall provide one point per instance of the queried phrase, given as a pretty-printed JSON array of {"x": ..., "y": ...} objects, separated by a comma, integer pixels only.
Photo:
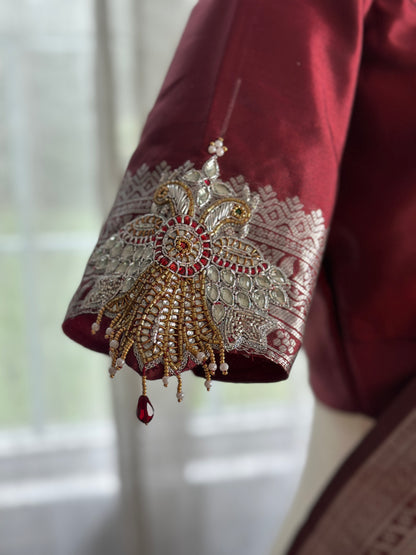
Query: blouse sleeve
[{"x": 208, "y": 258}]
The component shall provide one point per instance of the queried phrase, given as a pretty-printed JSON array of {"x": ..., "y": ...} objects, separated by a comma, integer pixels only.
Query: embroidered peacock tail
[{"x": 189, "y": 285}]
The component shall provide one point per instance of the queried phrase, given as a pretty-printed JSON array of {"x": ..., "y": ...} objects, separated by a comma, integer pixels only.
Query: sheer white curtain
[
  {"x": 57, "y": 459},
  {"x": 215, "y": 475}
]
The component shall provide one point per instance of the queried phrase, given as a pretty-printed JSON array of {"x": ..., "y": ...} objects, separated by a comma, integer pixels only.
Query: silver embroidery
[{"x": 254, "y": 305}]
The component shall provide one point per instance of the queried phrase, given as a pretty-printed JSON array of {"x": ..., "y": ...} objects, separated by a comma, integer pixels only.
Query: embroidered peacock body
[{"x": 189, "y": 284}]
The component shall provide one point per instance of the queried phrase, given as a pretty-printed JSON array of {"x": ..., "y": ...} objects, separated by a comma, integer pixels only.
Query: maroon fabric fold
[{"x": 361, "y": 335}]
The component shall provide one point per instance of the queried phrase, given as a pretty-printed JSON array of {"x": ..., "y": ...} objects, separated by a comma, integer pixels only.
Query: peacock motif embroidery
[{"x": 190, "y": 285}]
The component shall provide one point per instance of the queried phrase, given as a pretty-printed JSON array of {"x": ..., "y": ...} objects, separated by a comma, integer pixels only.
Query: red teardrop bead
[{"x": 145, "y": 410}]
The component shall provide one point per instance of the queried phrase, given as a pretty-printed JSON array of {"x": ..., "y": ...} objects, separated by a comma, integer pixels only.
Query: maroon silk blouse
[{"x": 316, "y": 102}]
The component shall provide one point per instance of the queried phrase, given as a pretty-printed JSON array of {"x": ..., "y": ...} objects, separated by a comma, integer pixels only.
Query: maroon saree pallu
[{"x": 369, "y": 507}]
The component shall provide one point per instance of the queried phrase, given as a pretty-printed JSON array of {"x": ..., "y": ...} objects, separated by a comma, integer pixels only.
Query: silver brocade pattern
[{"x": 258, "y": 290}]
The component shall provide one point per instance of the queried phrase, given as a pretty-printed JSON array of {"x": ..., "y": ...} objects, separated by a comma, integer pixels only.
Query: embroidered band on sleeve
[{"x": 183, "y": 283}]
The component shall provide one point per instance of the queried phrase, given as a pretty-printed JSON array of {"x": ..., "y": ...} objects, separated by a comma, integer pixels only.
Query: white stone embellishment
[
  {"x": 212, "y": 367},
  {"x": 244, "y": 282},
  {"x": 224, "y": 367},
  {"x": 211, "y": 170},
  {"x": 278, "y": 296},
  {"x": 260, "y": 299},
  {"x": 203, "y": 196},
  {"x": 180, "y": 396},
  {"x": 212, "y": 293},
  {"x": 217, "y": 147},
  {"x": 112, "y": 371},
  {"x": 218, "y": 312},
  {"x": 114, "y": 344},
  {"x": 95, "y": 327},
  {"x": 200, "y": 357},
  {"x": 243, "y": 300},
  {"x": 208, "y": 384},
  {"x": 165, "y": 381},
  {"x": 120, "y": 363},
  {"x": 227, "y": 295},
  {"x": 212, "y": 273},
  {"x": 227, "y": 277}
]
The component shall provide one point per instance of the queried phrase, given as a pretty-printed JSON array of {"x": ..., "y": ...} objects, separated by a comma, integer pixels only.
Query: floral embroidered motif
[
  {"x": 191, "y": 285},
  {"x": 257, "y": 311}
]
